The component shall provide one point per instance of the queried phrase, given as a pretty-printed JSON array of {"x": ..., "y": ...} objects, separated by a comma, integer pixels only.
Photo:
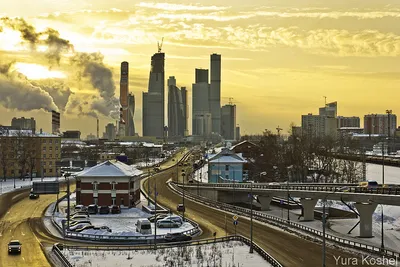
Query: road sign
[
  {"x": 235, "y": 217},
  {"x": 235, "y": 223},
  {"x": 52, "y": 187}
]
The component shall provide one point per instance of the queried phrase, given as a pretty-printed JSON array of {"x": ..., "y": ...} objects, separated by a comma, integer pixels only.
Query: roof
[
  {"x": 111, "y": 168},
  {"x": 227, "y": 156},
  {"x": 243, "y": 142}
]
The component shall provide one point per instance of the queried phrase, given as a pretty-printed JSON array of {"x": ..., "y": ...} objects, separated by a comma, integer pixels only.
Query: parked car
[
  {"x": 80, "y": 208},
  {"x": 14, "y": 247},
  {"x": 80, "y": 213},
  {"x": 106, "y": 228},
  {"x": 177, "y": 237},
  {"x": 180, "y": 208},
  {"x": 369, "y": 184},
  {"x": 115, "y": 209},
  {"x": 157, "y": 217},
  {"x": 73, "y": 223},
  {"x": 143, "y": 226},
  {"x": 164, "y": 223},
  {"x": 104, "y": 210},
  {"x": 86, "y": 227},
  {"x": 92, "y": 209},
  {"x": 175, "y": 218},
  {"x": 33, "y": 195}
]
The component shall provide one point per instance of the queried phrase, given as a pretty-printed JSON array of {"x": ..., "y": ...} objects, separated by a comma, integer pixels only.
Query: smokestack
[
  {"x": 97, "y": 128},
  {"x": 55, "y": 122}
]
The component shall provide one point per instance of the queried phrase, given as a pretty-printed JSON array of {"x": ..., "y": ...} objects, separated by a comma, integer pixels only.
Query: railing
[
  {"x": 61, "y": 256},
  {"x": 320, "y": 188},
  {"x": 285, "y": 224},
  {"x": 240, "y": 238}
]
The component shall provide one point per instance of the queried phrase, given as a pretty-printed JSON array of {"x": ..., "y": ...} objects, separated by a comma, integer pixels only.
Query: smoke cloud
[
  {"x": 28, "y": 32},
  {"x": 56, "y": 46},
  {"x": 57, "y": 90},
  {"x": 18, "y": 93}
]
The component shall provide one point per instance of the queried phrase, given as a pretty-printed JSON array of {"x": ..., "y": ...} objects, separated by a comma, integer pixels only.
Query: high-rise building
[
  {"x": 380, "y": 124},
  {"x": 55, "y": 122},
  {"x": 348, "y": 122},
  {"x": 215, "y": 92},
  {"x": 200, "y": 105},
  {"x": 110, "y": 132},
  {"x": 201, "y": 75},
  {"x": 228, "y": 122},
  {"x": 130, "y": 125},
  {"x": 238, "y": 133},
  {"x": 176, "y": 109},
  {"x": 203, "y": 124},
  {"x": 23, "y": 124},
  {"x": 329, "y": 110},
  {"x": 185, "y": 110},
  {"x": 153, "y": 101},
  {"x": 318, "y": 126},
  {"x": 124, "y": 89}
]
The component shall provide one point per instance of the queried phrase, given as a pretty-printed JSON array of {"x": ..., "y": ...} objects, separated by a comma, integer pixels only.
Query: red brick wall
[
  {"x": 86, "y": 186},
  {"x": 122, "y": 186},
  {"x": 78, "y": 184},
  {"x": 87, "y": 199},
  {"x": 104, "y": 186},
  {"x": 78, "y": 197},
  {"x": 104, "y": 200}
]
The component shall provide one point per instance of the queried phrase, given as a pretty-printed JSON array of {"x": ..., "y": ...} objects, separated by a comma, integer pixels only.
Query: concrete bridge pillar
[
  {"x": 365, "y": 210},
  {"x": 308, "y": 208},
  {"x": 265, "y": 202}
]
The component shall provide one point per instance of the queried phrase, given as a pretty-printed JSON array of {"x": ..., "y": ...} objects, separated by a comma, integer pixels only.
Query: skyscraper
[
  {"x": 200, "y": 104},
  {"x": 185, "y": 110},
  {"x": 228, "y": 122},
  {"x": 201, "y": 75},
  {"x": 176, "y": 109},
  {"x": 215, "y": 92},
  {"x": 153, "y": 102},
  {"x": 55, "y": 122},
  {"x": 130, "y": 125}
]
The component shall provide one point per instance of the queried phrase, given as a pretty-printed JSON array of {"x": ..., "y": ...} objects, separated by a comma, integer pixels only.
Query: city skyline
[{"x": 279, "y": 61}]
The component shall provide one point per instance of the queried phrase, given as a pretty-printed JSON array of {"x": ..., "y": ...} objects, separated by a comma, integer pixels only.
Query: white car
[
  {"x": 164, "y": 223},
  {"x": 78, "y": 226},
  {"x": 79, "y": 217},
  {"x": 175, "y": 218}
]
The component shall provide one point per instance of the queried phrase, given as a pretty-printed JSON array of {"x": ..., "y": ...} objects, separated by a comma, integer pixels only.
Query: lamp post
[
  {"x": 251, "y": 217},
  {"x": 183, "y": 195},
  {"x": 382, "y": 236}
]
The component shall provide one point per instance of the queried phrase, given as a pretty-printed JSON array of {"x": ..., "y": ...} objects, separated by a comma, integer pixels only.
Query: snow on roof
[
  {"x": 112, "y": 168},
  {"x": 227, "y": 159},
  {"x": 227, "y": 156},
  {"x": 243, "y": 142}
]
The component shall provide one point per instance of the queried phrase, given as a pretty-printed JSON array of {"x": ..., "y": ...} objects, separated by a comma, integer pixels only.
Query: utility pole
[
  {"x": 251, "y": 217},
  {"x": 155, "y": 215},
  {"x": 325, "y": 100},
  {"x": 183, "y": 196}
]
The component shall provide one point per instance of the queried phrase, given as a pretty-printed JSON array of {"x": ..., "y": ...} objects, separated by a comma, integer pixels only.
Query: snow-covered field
[
  {"x": 152, "y": 162},
  {"x": 233, "y": 253}
]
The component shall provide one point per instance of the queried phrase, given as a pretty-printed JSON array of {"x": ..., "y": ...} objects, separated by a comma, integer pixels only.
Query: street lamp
[
  {"x": 251, "y": 218},
  {"x": 183, "y": 195}
]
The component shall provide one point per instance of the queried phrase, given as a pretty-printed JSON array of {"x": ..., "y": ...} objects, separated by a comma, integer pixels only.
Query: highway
[{"x": 288, "y": 249}]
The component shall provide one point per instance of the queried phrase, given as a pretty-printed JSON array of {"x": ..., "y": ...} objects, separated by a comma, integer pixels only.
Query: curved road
[{"x": 288, "y": 249}]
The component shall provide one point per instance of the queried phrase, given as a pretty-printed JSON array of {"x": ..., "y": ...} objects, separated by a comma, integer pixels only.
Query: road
[{"x": 288, "y": 249}]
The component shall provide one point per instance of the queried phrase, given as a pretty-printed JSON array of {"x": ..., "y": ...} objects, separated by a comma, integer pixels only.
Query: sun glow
[{"x": 37, "y": 72}]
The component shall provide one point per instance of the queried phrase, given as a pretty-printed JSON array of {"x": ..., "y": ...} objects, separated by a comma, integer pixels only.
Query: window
[
  {"x": 113, "y": 185},
  {"x": 226, "y": 176},
  {"x": 95, "y": 186},
  {"x": 44, "y": 170},
  {"x": 50, "y": 141},
  {"x": 226, "y": 167},
  {"x": 51, "y": 148},
  {"x": 113, "y": 201},
  {"x": 96, "y": 200},
  {"x": 44, "y": 156},
  {"x": 44, "y": 148}
]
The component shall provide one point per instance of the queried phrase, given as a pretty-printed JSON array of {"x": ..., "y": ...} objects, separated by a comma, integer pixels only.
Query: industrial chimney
[{"x": 97, "y": 128}]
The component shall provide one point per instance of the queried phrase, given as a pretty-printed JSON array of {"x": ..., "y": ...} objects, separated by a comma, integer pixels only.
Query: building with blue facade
[{"x": 225, "y": 167}]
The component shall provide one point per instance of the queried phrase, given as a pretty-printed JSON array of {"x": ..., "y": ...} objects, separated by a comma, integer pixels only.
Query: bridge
[{"x": 366, "y": 199}]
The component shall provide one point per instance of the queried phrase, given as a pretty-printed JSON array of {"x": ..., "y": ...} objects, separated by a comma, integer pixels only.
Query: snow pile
[{"x": 233, "y": 253}]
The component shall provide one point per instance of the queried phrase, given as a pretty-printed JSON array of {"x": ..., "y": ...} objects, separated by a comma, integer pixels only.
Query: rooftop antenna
[
  {"x": 325, "y": 100},
  {"x": 159, "y": 45}
]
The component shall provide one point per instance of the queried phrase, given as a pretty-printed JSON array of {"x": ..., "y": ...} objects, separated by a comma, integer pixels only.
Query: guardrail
[
  {"x": 320, "y": 188},
  {"x": 285, "y": 224},
  {"x": 61, "y": 256},
  {"x": 240, "y": 238}
]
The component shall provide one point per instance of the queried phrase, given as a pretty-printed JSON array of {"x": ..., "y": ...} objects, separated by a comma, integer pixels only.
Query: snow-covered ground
[
  {"x": 152, "y": 162},
  {"x": 233, "y": 253},
  {"x": 392, "y": 174},
  {"x": 7, "y": 186}
]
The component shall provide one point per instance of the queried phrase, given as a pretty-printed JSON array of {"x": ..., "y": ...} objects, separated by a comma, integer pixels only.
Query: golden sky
[{"x": 279, "y": 57}]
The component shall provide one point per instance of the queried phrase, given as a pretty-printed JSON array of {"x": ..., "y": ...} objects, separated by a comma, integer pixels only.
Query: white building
[{"x": 318, "y": 126}]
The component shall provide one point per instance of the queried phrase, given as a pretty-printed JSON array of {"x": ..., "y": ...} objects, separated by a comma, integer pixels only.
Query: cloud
[
  {"x": 178, "y": 7},
  {"x": 57, "y": 89}
]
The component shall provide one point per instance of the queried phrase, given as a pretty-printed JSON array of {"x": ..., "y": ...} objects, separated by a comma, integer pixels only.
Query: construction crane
[
  {"x": 159, "y": 45},
  {"x": 279, "y": 129},
  {"x": 325, "y": 100},
  {"x": 231, "y": 101}
]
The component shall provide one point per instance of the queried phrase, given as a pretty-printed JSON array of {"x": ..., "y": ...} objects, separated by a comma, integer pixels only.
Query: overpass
[{"x": 366, "y": 199}]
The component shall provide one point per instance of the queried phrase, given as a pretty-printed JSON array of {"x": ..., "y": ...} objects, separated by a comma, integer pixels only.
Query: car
[
  {"x": 175, "y": 218},
  {"x": 73, "y": 223},
  {"x": 115, "y": 209},
  {"x": 369, "y": 184},
  {"x": 80, "y": 213},
  {"x": 177, "y": 237},
  {"x": 86, "y": 227},
  {"x": 106, "y": 228},
  {"x": 143, "y": 226},
  {"x": 164, "y": 223},
  {"x": 180, "y": 208},
  {"x": 92, "y": 209},
  {"x": 14, "y": 247},
  {"x": 104, "y": 210},
  {"x": 33, "y": 195},
  {"x": 157, "y": 217},
  {"x": 80, "y": 208}
]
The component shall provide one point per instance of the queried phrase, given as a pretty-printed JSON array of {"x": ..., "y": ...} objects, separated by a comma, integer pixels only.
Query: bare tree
[{"x": 4, "y": 156}]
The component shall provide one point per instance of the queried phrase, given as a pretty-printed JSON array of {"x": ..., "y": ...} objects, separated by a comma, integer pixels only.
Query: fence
[
  {"x": 240, "y": 238},
  {"x": 61, "y": 256},
  {"x": 282, "y": 223}
]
